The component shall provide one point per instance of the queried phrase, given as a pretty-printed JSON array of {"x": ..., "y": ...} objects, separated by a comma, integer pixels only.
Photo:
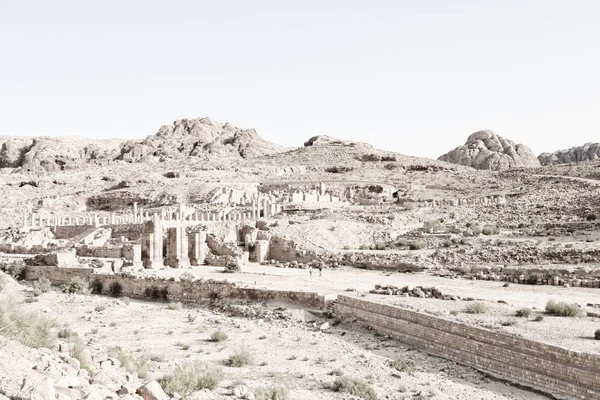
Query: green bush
[
  {"x": 538, "y": 318},
  {"x": 476, "y": 308},
  {"x": 562, "y": 309},
  {"x": 591, "y": 217},
  {"x": 156, "y": 293},
  {"x": 191, "y": 377},
  {"x": 240, "y": 358},
  {"x": 415, "y": 246},
  {"x": 76, "y": 285},
  {"x": 15, "y": 270},
  {"x": 96, "y": 286},
  {"x": 100, "y": 308},
  {"x": 380, "y": 246},
  {"x": 218, "y": 336},
  {"x": 354, "y": 387},
  {"x": 132, "y": 364},
  {"x": 115, "y": 289},
  {"x": 597, "y": 334},
  {"x": 523, "y": 312},
  {"x": 30, "y": 328},
  {"x": 271, "y": 393},
  {"x": 42, "y": 285},
  {"x": 336, "y": 372}
]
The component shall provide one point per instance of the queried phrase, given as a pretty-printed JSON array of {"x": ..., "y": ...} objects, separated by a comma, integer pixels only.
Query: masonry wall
[
  {"x": 67, "y": 232},
  {"x": 564, "y": 374},
  {"x": 188, "y": 292},
  {"x": 130, "y": 231}
]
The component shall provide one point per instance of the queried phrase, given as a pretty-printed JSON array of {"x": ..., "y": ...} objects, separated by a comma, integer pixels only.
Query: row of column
[{"x": 262, "y": 208}]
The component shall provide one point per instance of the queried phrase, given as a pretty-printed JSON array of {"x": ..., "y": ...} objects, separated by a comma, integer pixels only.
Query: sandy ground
[
  {"x": 291, "y": 351},
  {"x": 553, "y": 330},
  {"x": 334, "y": 281}
]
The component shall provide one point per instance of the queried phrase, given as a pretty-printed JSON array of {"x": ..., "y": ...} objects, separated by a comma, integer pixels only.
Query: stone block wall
[
  {"x": 183, "y": 291},
  {"x": 56, "y": 275},
  {"x": 130, "y": 231},
  {"x": 69, "y": 231},
  {"x": 562, "y": 373}
]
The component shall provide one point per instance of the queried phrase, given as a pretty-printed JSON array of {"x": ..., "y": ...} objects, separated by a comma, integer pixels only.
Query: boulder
[
  {"x": 488, "y": 151},
  {"x": 152, "y": 391},
  {"x": 37, "y": 387}
]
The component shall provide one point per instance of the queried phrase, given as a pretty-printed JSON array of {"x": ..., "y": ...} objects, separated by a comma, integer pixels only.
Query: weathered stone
[
  {"x": 37, "y": 387},
  {"x": 486, "y": 150},
  {"x": 152, "y": 391}
]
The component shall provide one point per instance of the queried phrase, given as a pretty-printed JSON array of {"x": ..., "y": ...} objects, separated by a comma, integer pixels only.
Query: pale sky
[{"x": 415, "y": 77}]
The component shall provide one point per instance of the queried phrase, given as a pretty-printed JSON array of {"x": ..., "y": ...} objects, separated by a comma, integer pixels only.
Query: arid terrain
[{"x": 488, "y": 236}]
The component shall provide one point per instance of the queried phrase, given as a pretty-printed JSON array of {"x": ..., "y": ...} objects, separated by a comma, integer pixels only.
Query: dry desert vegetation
[{"x": 206, "y": 263}]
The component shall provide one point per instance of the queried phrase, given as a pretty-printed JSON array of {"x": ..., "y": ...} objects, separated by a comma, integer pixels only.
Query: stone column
[
  {"x": 157, "y": 236},
  {"x": 196, "y": 248},
  {"x": 147, "y": 250},
  {"x": 177, "y": 247},
  {"x": 137, "y": 256}
]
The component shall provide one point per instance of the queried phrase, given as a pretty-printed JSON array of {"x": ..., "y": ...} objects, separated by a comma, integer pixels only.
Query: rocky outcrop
[
  {"x": 50, "y": 154},
  {"x": 587, "y": 152},
  {"x": 486, "y": 150},
  {"x": 201, "y": 137},
  {"x": 319, "y": 140},
  {"x": 12, "y": 151}
]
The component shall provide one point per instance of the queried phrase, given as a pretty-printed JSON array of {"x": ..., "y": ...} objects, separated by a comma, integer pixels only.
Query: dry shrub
[
  {"x": 354, "y": 387},
  {"x": 476, "y": 308},
  {"x": 562, "y": 309},
  {"x": 271, "y": 393},
  {"x": 191, "y": 377},
  {"x": 30, "y": 328},
  {"x": 132, "y": 364},
  {"x": 241, "y": 357}
]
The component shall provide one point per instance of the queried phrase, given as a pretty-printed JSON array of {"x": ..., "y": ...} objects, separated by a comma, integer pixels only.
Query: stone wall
[
  {"x": 189, "y": 292},
  {"x": 56, "y": 275},
  {"x": 562, "y": 373},
  {"x": 130, "y": 231},
  {"x": 69, "y": 231}
]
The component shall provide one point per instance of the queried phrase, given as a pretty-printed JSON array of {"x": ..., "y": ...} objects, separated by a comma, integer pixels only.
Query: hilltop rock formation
[
  {"x": 201, "y": 137},
  {"x": 587, "y": 152},
  {"x": 486, "y": 150}
]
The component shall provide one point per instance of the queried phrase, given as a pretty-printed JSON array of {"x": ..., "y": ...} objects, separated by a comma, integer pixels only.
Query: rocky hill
[
  {"x": 201, "y": 137},
  {"x": 51, "y": 154},
  {"x": 587, "y": 152},
  {"x": 486, "y": 150}
]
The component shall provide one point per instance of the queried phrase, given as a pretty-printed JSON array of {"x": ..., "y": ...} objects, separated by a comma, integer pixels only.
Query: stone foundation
[{"x": 562, "y": 373}]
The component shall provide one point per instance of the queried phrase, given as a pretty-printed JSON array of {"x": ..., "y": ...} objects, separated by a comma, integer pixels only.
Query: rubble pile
[{"x": 417, "y": 291}]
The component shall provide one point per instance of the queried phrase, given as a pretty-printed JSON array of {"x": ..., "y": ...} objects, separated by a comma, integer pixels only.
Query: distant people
[
  {"x": 321, "y": 268},
  {"x": 310, "y": 270}
]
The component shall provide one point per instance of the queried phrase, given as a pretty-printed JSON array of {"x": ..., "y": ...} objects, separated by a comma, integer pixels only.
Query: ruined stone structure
[
  {"x": 477, "y": 201},
  {"x": 262, "y": 207},
  {"x": 564, "y": 374}
]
